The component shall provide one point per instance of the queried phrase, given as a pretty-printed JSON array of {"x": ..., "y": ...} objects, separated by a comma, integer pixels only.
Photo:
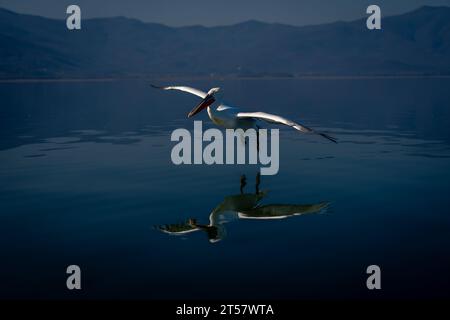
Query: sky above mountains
[
  {"x": 416, "y": 43},
  {"x": 214, "y": 12}
]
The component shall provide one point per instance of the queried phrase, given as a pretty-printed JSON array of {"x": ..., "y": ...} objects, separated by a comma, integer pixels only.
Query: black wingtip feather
[
  {"x": 328, "y": 137},
  {"x": 155, "y": 86}
]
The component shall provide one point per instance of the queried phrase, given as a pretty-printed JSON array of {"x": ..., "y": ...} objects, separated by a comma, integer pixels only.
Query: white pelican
[{"x": 230, "y": 117}]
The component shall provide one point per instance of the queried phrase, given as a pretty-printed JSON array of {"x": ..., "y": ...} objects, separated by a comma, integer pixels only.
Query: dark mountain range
[{"x": 417, "y": 42}]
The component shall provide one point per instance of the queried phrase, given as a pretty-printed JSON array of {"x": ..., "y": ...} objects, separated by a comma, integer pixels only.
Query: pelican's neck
[{"x": 211, "y": 112}]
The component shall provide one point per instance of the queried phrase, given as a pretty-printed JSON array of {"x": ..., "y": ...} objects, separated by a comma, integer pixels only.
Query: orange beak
[{"x": 206, "y": 102}]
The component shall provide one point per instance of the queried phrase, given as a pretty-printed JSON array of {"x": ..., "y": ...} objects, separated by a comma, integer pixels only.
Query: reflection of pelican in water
[{"x": 241, "y": 206}]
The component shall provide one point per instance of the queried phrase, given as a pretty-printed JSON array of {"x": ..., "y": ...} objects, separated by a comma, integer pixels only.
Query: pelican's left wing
[
  {"x": 177, "y": 228},
  {"x": 194, "y": 91},
  {"x": 277, "y": 119}
]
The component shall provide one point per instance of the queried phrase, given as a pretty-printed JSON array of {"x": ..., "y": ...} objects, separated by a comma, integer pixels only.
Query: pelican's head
[
  {"x": 217, "y": 93},
  {"x": 206, "y": 102},
  {"x": 212, "y": 91}
]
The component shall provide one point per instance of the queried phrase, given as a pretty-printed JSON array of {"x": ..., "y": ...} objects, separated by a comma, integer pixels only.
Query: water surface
[{"x": 86, "y": 179}]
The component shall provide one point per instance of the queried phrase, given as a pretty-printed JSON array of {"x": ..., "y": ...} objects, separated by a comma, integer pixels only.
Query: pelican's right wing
[
  {"x": 194, "y": 91},
  {"x": 273, "y": 118},
  {"x": 280, "y": 211}
]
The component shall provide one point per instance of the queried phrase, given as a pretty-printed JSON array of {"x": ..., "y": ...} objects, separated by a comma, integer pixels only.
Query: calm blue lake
[{"x": 86, "y": 178}]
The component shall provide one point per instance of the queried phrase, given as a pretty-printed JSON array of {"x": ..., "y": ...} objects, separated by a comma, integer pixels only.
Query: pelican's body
[
  {"x": 230, "y": 117},
  {"x": 227, "y": 117},
  {"x": 223, "y": 116}
]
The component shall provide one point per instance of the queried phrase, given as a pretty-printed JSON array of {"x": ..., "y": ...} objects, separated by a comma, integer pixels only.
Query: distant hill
[{"x": 417, "y": 42}]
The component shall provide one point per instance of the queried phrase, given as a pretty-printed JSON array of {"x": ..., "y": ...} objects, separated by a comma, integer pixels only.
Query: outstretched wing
[
  {"x": 177, "y": 228},
  {"x": 280, "y": 120},
  {"x": 194, "y": 91},
  {"x": 281, "y": 211}
]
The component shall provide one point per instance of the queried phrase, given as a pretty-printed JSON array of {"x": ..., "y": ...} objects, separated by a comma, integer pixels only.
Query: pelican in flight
[
  {"x": 231, "y": 117},
  {"x": 241, "y": 206}
]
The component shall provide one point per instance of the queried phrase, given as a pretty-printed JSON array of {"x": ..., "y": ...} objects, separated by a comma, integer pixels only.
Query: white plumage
[{"x": 231, "y": 117}]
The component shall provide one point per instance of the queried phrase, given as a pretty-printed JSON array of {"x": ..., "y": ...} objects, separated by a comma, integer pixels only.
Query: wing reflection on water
[{"x": 241, "y": 206}]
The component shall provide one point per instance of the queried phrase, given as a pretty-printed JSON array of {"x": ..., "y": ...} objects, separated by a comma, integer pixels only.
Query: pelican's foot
[{"x": 243, "y": 183}]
